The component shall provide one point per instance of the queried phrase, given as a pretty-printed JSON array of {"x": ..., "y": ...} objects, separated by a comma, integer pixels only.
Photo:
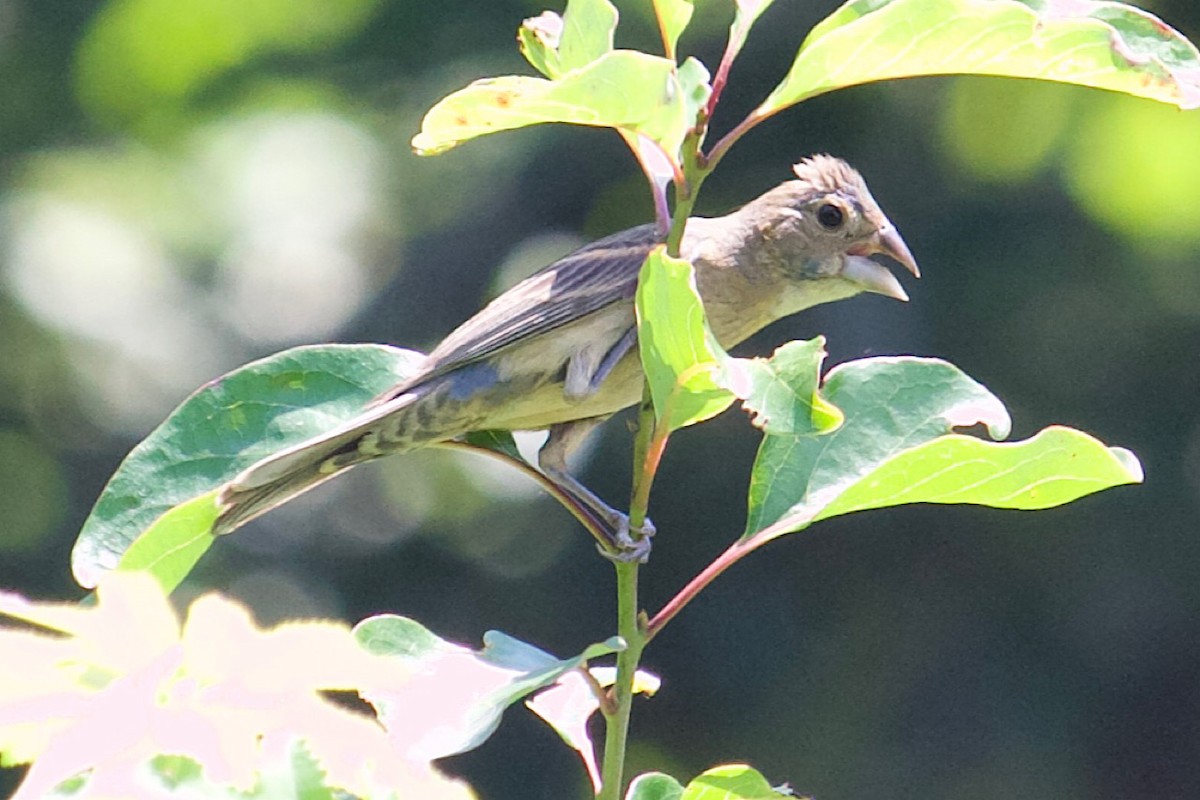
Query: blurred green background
[{"x": 187, "y": 186}]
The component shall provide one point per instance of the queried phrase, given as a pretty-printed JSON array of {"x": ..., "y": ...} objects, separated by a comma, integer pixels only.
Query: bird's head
[{"x": 824, "y": 225}]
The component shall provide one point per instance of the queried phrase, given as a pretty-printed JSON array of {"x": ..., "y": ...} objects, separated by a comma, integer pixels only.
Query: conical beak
[
  {"x": 873, "y": 277},
  {"x": 888, "y": 242}
]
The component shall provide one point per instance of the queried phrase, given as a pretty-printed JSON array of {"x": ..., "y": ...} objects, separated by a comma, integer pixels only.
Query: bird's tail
[{"x": 278, "y": 478}]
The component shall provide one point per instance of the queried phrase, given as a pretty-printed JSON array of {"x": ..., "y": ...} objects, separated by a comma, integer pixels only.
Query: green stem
[
  {"x": 647, "y": 453},
  {"x": 686, "y": 193},
  {"x": 616, "y": 737}
]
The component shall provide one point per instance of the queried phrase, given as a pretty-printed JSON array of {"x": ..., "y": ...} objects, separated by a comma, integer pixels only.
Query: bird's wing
[{"x": 591, "y": 278}]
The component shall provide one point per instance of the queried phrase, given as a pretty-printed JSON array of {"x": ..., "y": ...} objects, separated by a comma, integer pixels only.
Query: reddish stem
[
  {"x": 734, "y": 553},
  {"x": 722, "y": 76},
  {"x": 727, "y": 141}
]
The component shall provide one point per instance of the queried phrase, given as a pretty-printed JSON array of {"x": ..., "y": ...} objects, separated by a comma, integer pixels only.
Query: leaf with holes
[
  {"x": 633, "y": 92},
  {"x": 1095, "y": 43}
]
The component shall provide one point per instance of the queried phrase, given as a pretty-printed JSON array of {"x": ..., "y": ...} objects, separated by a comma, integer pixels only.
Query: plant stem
[
  {"x": 616, "y": 736},
  {"x": 734, "y": 553},
  {"x": 648, "y": 447},
  {"x": 727, "y": 141}
]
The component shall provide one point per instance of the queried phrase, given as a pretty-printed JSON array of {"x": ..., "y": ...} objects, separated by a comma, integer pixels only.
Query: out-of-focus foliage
[
  {"x": 1134, "y": 169},
  {"x": 150, "y": 245},
  {"x": 141, "y": 61},
  {"x": 108, "y": 691},
  {"x": 1005, "y": 131}
]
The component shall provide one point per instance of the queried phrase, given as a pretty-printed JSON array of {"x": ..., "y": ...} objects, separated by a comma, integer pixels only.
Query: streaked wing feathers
[{"x": 584, "y": 281}]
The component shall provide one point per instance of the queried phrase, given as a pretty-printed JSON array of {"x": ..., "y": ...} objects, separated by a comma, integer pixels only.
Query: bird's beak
[
  {"x": 875, "y": 277},
  {"x": 888, "y": 242}
]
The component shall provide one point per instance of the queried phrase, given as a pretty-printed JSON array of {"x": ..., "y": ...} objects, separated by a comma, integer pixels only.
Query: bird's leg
[{"x": 627, "y": 544}]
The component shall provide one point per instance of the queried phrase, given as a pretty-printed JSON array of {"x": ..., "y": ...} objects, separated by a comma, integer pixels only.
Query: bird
[{"x": 558, "y": 350}]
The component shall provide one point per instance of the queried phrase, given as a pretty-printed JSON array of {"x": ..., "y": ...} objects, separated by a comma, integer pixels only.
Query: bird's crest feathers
[{"x": 826, "y": 174}]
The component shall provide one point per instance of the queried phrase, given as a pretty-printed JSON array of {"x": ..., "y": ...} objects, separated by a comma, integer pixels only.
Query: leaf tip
[
  {"x": 425, "y": 145},
  {"x": 1130, "y": 463}
]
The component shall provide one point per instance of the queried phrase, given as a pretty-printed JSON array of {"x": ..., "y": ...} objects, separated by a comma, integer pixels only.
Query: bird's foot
[{"x": 629, "y": 545}]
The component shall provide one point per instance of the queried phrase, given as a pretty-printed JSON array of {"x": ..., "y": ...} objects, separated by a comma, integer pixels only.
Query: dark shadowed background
[{"x": 187, "y": 186}]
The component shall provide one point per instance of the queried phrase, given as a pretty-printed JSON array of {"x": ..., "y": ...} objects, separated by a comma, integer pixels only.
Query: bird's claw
[{"x": 629, "y": 545}]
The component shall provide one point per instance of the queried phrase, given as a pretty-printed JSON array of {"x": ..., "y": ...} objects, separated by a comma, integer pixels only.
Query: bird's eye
[{"x": 830, "y": 216}]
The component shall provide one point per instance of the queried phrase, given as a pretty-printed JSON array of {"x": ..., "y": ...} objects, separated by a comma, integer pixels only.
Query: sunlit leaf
[
  {"x": 627, "y": 90},
  {"x": 295, "y": 774},
  {"x": 218, "y": 690},
  {"x": 695, "y": 84},
  {"x": 896, "y": 446},
  {"x": 538, "y": 38},
  {"x": 745, "y": 15},
  {"x": 692, "y": 378},
  {"x": 782, "y": 393},
  {"x": 224, "y": 427},
  {"x": 654, "y": 786},
  {"x": 731, "y": 782},
  {"x": 673, "y": 18},
  {"x": 170, "y": 548},
  {"x": 554, "y": 45},
  {"x": 1094, "y": 43},
  {"x": 588, "y": 27},
  {"x": 1054, "y": 467},
  {"x": 457, "y": 696},
  {"x": 569, "y": 704},
  {"x": 681, "y": 357}
]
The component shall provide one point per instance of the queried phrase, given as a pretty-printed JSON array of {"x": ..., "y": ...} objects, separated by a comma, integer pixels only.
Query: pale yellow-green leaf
[
  {"x": 633, "y": 92},
  {"x": 1105, "y": 45}
]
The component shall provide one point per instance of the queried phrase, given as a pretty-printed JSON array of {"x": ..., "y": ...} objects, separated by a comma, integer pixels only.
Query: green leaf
[
  {"x": 745, "y": 15},
  {"x": 731, "y": 782},
  {"x": 673, "y": 18},
  {"x": 456, "y": 696},
  {"x": 224, "y": 427},
  {"x": 654, "y": 786},
  {"x": 693, "y": 379},
  {"x": 1054, "y": 467},
  {"x": 782, "y": 393},
  {"x": 680, "y": 356},
  {"x": 588, "y": 27},
  {"x": 170, "y": 548},
  {"x": 894, "y": 447},
  {"x": 1106, "y": 45},
  {"x": 633, "y": 92},
  {"x": 538, "y": 39},
  {"x": 554, "y": 45},
  {"x": 696, "y": 85},
  {"x": 501, "y": 442}
]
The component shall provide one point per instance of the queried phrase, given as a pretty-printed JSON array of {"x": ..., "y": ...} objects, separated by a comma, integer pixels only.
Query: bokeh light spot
[
  {"x": 140, "y": 54},
  {"x": 1135, "y": 167},
  {"x": 1004, "y": 131}
]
